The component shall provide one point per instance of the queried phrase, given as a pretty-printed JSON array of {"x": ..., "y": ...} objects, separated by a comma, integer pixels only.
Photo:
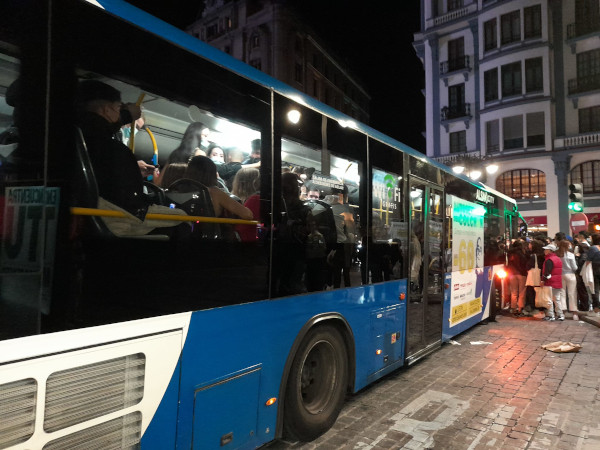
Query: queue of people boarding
[{"x": 554, "y": 276}]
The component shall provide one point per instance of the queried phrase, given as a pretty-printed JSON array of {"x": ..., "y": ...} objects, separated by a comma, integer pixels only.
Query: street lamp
[
  {"x": 491, "y": 168},
  {"x": 472, "y": 166}
]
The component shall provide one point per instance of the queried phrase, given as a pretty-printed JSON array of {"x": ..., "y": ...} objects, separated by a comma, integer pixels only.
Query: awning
[
  {"x": 593, "y": 217},
  {"x": 536, "y": 221}
]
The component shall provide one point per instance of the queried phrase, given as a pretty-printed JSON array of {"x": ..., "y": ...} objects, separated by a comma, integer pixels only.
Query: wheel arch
[{"x": 339, "y": 322}]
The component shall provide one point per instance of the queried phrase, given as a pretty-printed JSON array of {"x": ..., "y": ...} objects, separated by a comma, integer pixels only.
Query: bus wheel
[{"x": 316, "y": 386}]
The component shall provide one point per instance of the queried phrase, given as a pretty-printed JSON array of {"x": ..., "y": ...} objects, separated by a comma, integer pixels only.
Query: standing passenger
[
  {"x": 552, "y": 278},
  {"x": 594, "y": 260},
  {"x": 569, "y": 281},
  {"x": 517, "y": 264}
]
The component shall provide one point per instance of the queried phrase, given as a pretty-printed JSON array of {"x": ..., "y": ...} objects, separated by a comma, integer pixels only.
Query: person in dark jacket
[
  {"x": 517, "y": 265},
  {"x": 116, "y": 169},
  {"x": 296, "y": 225}
]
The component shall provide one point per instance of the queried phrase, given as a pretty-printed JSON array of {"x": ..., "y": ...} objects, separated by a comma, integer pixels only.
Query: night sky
[{"x": 375, "y": 43}]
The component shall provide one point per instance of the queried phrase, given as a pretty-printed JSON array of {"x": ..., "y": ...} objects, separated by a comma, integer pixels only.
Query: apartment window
[
  {"x": 298, "y": 73},
  {"x": 534, "y": 75},
  {"x": 586, "y": 11},
  {"x": 456, "y": 96},
  {"x": 511, "y": 79},
  {"x": 510, "y": 27},
  {"x": 456, "y": 54},
  {"x": 490, "y": 35},
  {"x": 255, "y": 41},
  {"x": 513, "y": 132},
  {"x": 490, "y": 83},
  {"x": 458, "y": 142},
  {"x": 532, "y": 18},
  {"x": 316, "y": 61},
  {"x": 315, "y": 88},
  {"x": 212, "y": 30},
  {"x": 589, "y": 119},
  {"x": 588, "y": 63},
  {"x": 588, "y": 174},
  {"x": 492, "y": 131},
  {"x": 455, "y": 4},
  {"x": 522, "y": 184},
  {"x": 536, "y": 135}
]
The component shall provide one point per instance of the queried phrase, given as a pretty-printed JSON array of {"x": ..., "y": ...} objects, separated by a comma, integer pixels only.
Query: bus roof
[{"x": 179, "y": 37}]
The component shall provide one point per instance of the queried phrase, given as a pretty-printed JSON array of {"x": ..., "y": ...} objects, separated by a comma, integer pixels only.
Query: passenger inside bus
[
  {"x": 202, "y": 170},
  {"x": 191, "y": 143},
  {"x": 117, "y": 172},
  {"x": 9, "y": 138},
  {"x": 341, "y": 258},
  {"x": 216, "y": 154},
  {"x": 246, "y": 185},
  {"x": 254, "y": 152},
  {"x": 171, "y": 173},
  {"x": 296, "y": 224}
]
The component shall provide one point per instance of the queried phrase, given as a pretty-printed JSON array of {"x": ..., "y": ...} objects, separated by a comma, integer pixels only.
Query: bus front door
[{"x": 426, "y": 274}]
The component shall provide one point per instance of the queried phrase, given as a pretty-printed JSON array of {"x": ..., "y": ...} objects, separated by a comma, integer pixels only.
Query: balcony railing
[
  {"x": 584, "y": 84},
  {"x": 456, "y": 111},
  {"x": 574, "y": 30},
  {"x": 462, "y": 63},
  {"x": 452, "y": 15},
  {"x": 451, "y": 159},
  {"x": 579, "y": 140}
]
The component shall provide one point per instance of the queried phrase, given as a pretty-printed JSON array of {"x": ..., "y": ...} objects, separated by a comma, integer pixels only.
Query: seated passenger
[
  {"x": 117, "y": 172},
  {"x": 115, "y": 166},
  {"x": 172, "y": 172},
  {"x": 203, "y": 170}
]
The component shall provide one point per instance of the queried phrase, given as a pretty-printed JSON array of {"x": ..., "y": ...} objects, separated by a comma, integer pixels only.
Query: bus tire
[{"x": 316, "y": 386}]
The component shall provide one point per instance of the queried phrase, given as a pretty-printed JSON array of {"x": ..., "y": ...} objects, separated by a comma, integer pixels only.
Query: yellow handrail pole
[
  {"x": 132, "y": 136},
  {"x": 77, "y": 211},
  {"x": 155, "y": 151}
]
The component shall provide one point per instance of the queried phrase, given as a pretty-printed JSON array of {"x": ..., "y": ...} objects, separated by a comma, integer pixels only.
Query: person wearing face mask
[
  {"x": 216, "y": 154},
  {"x": 100, "y": 115}
]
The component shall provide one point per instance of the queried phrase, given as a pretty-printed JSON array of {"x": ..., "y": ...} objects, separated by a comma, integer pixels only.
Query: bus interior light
[{"x": 293, "y": 116}]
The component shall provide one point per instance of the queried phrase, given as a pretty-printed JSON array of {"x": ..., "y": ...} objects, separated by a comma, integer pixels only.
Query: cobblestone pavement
[{"x": 508, "y": 394}]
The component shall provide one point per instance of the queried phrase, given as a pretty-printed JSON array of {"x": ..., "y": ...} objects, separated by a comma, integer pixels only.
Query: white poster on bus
[
  {"x": 29, "y": 233},
  {"x": 467, "y": 259}
]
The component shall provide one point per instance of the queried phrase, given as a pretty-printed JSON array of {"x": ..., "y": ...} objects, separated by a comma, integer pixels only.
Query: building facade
[
  {"x": 270, "y": 36},
  {"x": 516, "y": 83}
]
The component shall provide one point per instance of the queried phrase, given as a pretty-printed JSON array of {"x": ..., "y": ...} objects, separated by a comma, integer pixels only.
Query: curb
[{"x": 594, "y": 320}]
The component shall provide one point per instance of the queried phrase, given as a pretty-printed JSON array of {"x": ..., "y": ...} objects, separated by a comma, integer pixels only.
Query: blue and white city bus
[{"x": 196, "y": 337}]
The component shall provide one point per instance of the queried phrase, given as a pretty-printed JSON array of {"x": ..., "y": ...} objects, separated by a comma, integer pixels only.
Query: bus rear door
[{"x": 425, "y": 271}]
